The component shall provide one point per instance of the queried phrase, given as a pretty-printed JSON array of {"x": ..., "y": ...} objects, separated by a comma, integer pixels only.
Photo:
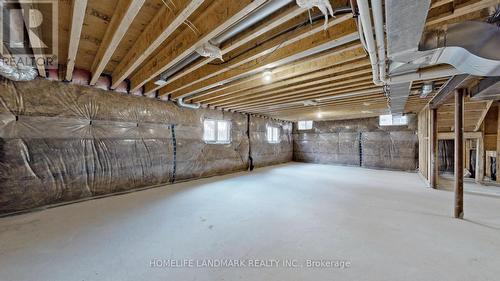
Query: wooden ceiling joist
[
  {"x": 318, "y": 62},
  {"x": 256, "y": 54},
  {"x": 166, "y": 21},
  {"x": 462, "y": 9},
  {"x": 273, "y": 22},
  {"x": 350, "y": 91},
  {"x": 342, "y": 31},
  {"x": 123, "y": 17},
  {"x": 312, "y": 69},
  {"x": 302, "y": 90},
  {"x": 377, "y": 101},
  {"x": 306, "y": 79},
  {"x": 78, "y": 15},
  {"x": 219, "y": 16}
]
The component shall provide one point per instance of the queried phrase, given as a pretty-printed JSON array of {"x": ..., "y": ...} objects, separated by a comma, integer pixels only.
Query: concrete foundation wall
[
  {"x": 358, "y": 142},
  {"x": 62, "y": 142}
]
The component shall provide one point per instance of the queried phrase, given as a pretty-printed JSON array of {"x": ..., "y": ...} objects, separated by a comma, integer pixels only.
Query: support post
[
  {"x": 459, "y": 154},
  {"x": 480, "y": 159},
  {"x": 433, "y": 147}
]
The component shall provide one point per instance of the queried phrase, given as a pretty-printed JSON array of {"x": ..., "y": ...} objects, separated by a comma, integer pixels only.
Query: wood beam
[
  {"x": 459, "y": 154},
  {"x": 448, "y": 89},
  {"x": 246, "y": 37},
  {"x": 219, "y": 16},
  {"x": 487, "y": 88},
  {"x": 342, "y": 31},
  {"x": 161, "y": 27},
  {"x": 77, "y": 17},
  {"x": 440, "y": 3},
  {"x": 124, "y": 15},
  {"x": 483, "y": 115}
]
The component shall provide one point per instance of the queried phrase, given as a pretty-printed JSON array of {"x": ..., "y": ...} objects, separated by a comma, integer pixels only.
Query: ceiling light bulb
[
  {"x": 267, "y": 76},
  {"x": 319, "y": 114}
]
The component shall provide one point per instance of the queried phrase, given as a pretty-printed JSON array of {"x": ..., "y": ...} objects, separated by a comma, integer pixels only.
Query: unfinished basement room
[{"x": 253, "y": 140}]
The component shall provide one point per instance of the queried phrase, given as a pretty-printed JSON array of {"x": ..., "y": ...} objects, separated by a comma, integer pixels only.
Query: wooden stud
[{"x": 433, "y": 148}]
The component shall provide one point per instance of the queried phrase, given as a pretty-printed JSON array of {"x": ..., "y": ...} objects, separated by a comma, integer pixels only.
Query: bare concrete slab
[{"x": 368, "y": 224}]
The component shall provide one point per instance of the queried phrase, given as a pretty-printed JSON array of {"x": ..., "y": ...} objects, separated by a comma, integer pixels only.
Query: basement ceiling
[{"x": 313, "y": 73}]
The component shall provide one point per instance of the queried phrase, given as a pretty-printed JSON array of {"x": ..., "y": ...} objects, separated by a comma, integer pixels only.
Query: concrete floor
[
  {"x": 386, "y": 224},
  {"x": 470, "y": 186}
]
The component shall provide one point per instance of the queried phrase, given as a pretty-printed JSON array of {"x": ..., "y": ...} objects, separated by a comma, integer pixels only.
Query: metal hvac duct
[
  {"x": 10, "y": 68},
  {"x": 471, "y": 47},
  {"x": 252, "y": 19},
  {"x": 256, "y": 16},
  {"x": 17, "y": 73}
]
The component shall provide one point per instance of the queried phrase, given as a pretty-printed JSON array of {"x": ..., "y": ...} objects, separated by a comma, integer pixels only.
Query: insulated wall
[
  {"x": 358, "y": 142},
  {"x": 62, "y": 142},
  {"x": 264, "y": 153}
]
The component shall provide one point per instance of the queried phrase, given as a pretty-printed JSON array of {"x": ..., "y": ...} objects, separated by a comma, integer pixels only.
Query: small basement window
[
  {"x": 393, "y": 120},
  {"x": 305, "y": 125},
  {"x": 273, "y": 134},
  {"x": 217, "y": 131}
]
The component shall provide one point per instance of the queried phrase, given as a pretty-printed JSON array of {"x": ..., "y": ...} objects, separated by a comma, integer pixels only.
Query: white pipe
[
  {"x": 366, "y": 22},
  {"x": 378, "y": 21}
]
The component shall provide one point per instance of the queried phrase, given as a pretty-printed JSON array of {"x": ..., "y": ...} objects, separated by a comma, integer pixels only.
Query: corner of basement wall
[
  {"x": 359, "y": 142},
  {"x": 63, "y": 142}
]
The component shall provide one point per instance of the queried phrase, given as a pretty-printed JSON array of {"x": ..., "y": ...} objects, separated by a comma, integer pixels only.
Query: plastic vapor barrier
[
  {"x": 358, "y": 142},
  {"x": 62, "y": 142},
  {"x": 265, "y": 153}
]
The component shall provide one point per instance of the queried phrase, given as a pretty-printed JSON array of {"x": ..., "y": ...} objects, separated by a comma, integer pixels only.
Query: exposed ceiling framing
[{"x": 315, "y": 73}]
